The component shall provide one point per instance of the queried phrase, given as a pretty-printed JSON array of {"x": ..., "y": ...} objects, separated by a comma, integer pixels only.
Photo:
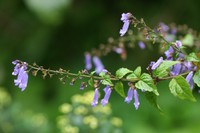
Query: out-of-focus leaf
[
  {"x": 188, "y": 40},
  {"x": 50, "y": 11}
]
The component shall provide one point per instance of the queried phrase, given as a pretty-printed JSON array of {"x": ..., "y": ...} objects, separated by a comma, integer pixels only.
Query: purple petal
[
  {"x": 136, "y": 100},
  {"x": 22, "y": 76},
  {"x": 164, "y": 27},
  {"x": 98, "y": 64},
  {"x": 125, "y": 17},
  {"x": 189, "y": 79},
  {"x": 88, "y": 62},
  {"x": 104, "y": 101},
  {"x": 118, "y": 50},
  {"x": 178, "y": 44},
  {"x": 155, "y": 65},
  {"x": 129, "y": 96},
  {"x": 176, "y": 69},
  {"x": 124, "y": 28},
  {"x": 141, "y": 45},
  {"x": 169, "y": 53},
  {"x": 95, "y": 99}
]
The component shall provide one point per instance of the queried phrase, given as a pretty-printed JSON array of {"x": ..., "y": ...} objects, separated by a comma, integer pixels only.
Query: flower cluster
[
  {"x": 132, "y": 92},
  {"x": 104, "y": 101},
  {"x": 22, "y": 76},
  {"x": 97, "y": 63}
]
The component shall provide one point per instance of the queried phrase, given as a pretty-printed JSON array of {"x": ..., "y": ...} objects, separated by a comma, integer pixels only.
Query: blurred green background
[{"x": 56, "y": 33}]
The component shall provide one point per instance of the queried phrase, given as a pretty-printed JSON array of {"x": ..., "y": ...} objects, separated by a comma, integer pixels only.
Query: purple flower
[
  {"x": 107, "y": 91},
  {"x": 88, "y": 62},
  {"x": 95, "y": 99},
  {"x": 169, "y": 53},
  {"x": 82, "y": 86},
  {"x": 22, "y": 76},
  {"x": 189, "y": 79},
  {"x": 136, "y": 100},
  {"x": 176, "y": 69},
  {"x": 164, "y": 27},
  {"x": 173, "y": 31},
  {"x": 178, "y": 44},
  {"x": 156, "y": 64},
  {"x": 141, "y": 45},
  {"x": 118, "y": 50},
  {"x": 129, "y": 96},
  {"x": 98, "y": 64},
  {"x": 125, "y": 19}
]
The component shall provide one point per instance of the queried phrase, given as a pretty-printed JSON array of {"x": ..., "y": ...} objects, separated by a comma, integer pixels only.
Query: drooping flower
[
  {"x": 136, "y": 100},
  {"x": 107, "y": 91},
  {"x": 190, "y": 80},
  {"x": 82, "y": 86},
  {"x": 22, "y": 76},
  {"x": 164, "y": 27},
  {"x": 126, "y": 21},
  {"x": 95, "y": 99},
  {"x": 176, "y": 69},
  {"x": 141, "y": 45},
  {"x": 169, "y": 53},
  {"x": 98, "y": 64},
  {"x": 157, "y": 63},
  {"x": 178, "y": 44},
  {"x": 88, "y": 61},
  {"x": 129, "y": 97}
]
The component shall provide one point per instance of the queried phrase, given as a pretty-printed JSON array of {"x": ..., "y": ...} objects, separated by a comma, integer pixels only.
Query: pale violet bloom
[
  {"x": 178, "y": 44},
  {"x": 136, "y": 100},
  {"x": 126, "y": 21},
  {"x": 118, "y": 50},
  {"x": 164, "y": 27},
  {"x": 190, "y": 80},
  {"x": 88, "y": 61},
  {"x": 141, "y": 45},
  {"x": 176, "y": 69},
  {"x": 96, "y": 96},
  {"x": 98, "y": 64},
  {"x": 169, "y": 53},
  {"x": 107, "y": 91},
  {"x": 129, "y": 97},
  {"x": 156, "y": 64},
  {"x": 22, "y": 76}
]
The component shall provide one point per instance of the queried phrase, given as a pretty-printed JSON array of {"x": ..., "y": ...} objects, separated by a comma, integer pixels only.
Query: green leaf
[
  {"x": 188, "y": 40},
  {"x": 132, "y": 77},
  {"x": 138, "y": 71},
  {"x": 162, "y": 69},
  {"x": 196, "y": 78},
  {"x": 107, "y": 82},
  {"x": 179, "y": 87},
  {"x": 152, "y": 98},
  {"x": 119, "y": 87},
  {"x": 120, "y": 73},
  {"x": 192, "y": 57},
  {"x": 146, "y": 83},
  {"x": 91, "y": 82},
  {"x": 102, "y": 74},
  {"x": 93, "y": 72},
  {"x": 135, "y": 75}
]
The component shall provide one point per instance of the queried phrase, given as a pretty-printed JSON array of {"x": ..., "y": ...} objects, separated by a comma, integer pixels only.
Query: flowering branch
[{"x": 181, "y": 68}]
